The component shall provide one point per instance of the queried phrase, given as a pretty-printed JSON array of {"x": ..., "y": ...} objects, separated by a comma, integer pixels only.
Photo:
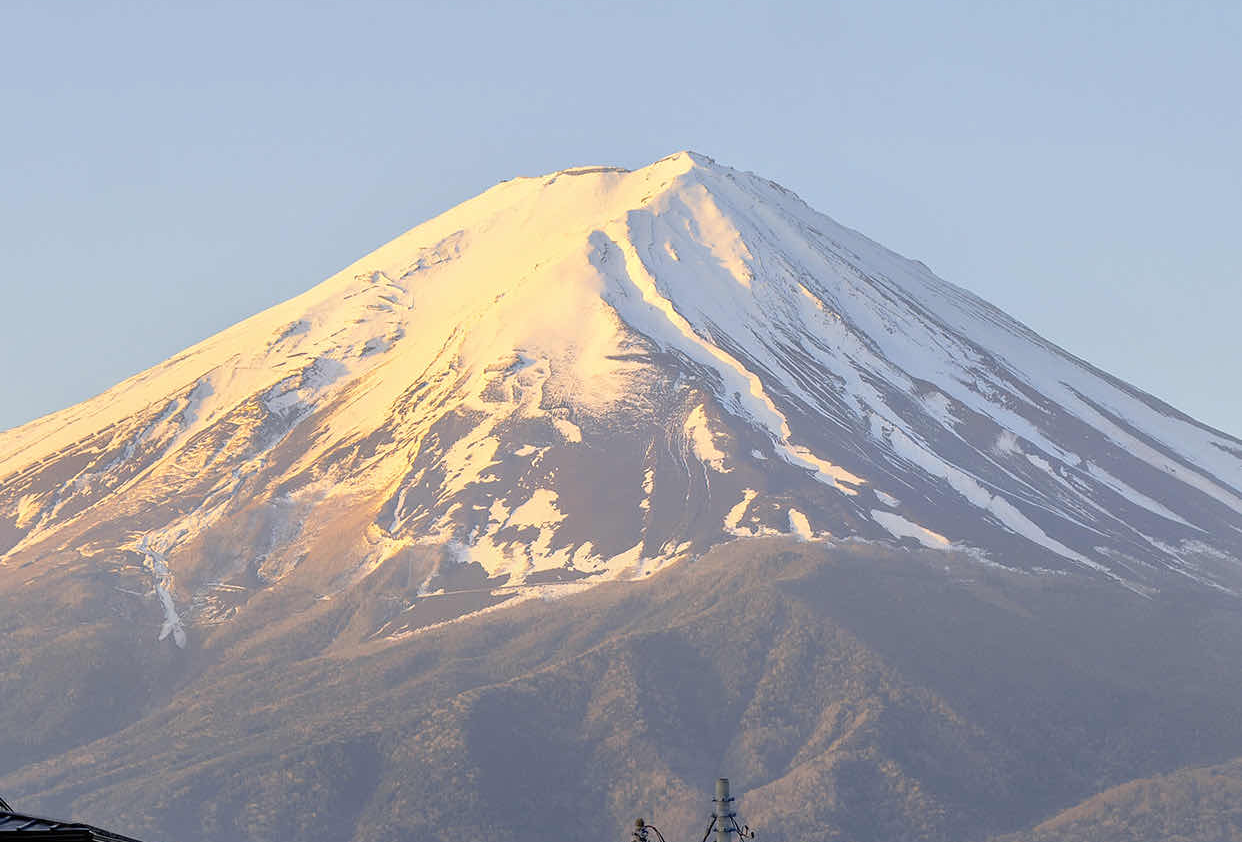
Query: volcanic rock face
[{"x": 571, "y": 380}]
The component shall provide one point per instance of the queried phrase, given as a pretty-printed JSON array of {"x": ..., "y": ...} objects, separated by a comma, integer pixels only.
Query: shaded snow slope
[{"x": 591, "y": 374}]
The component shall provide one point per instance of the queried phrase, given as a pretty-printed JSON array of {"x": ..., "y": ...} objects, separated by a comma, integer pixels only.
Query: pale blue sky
[{"x": 171, "y": 168}]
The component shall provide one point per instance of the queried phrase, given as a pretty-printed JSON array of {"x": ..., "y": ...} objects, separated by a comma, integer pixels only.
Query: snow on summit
[{"x": 593, "y": 373}]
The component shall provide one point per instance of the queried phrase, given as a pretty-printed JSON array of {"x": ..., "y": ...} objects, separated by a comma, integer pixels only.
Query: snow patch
[
  {"x": 821, "y": 469},
  {"x": 1133, "y": 495},
  {"x": 155, "y": 561},
  {"x": 648, "y": 486},
  {"x": 799, "y": 525},
  {"x": 734, "y": 516},
  {"x": 899, "y": 527},
  {"x": 540, "y": 510},
  {"x": 975, "y": 494},
  {"x": 569, "y": 431},
  {"x": 703, "y": 440},
  {"x": 887, "y": 499}
]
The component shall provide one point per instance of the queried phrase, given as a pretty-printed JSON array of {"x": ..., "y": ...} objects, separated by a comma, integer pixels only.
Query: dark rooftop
[{"x": 15, "y": 826}]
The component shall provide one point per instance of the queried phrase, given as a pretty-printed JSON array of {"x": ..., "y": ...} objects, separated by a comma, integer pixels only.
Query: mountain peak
[
  {"x": 592, "y": 374},
  {"x": 690, "y": 158},
  {"x": 685, "y": 158}
]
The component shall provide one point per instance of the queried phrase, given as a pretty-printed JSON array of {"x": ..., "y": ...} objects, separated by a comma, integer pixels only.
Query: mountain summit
[{"x": 591, "y": 374}]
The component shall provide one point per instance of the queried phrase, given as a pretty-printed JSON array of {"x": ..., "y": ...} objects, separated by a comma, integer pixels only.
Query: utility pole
[
  {"x": 723, "y": 811},
  {"x": 724, "y": 820}
]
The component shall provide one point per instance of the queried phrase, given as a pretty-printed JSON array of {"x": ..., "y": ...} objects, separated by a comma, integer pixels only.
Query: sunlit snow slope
[{"x": 591, "y": 374}]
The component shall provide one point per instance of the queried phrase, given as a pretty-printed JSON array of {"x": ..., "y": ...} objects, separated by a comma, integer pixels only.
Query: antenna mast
[{"x": 724, "y": 820}]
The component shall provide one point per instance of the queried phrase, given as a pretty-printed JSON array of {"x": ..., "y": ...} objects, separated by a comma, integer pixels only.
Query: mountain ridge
[
  {"x": 609, "y": 289},
  {"x": 854, "y": 692}
]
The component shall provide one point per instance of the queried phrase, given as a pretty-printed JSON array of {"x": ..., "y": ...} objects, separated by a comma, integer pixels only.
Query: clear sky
[{"x": 170, "y": 168}]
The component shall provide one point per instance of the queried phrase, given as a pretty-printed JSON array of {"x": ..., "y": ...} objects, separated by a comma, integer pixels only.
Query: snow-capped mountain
[{"x": 596, "y": 373}]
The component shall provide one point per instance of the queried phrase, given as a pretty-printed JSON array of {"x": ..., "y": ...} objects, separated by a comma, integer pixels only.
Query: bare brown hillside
[{"x": 852, "y": 692}]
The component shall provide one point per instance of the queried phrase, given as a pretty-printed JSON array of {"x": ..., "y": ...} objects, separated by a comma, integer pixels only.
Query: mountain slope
[
  {"x": 1190, "y": 805},
  {"x": 851, "y": 692}
]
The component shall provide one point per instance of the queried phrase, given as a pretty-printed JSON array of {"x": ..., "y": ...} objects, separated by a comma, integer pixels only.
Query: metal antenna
[
  {"x": 723, "y": 804},
  {"x": 724, "y": 817},
  {"x": 724, "y": 820}
]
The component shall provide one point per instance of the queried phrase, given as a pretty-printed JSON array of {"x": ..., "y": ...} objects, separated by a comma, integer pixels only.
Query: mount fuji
[{"x": 571, "y": 386}]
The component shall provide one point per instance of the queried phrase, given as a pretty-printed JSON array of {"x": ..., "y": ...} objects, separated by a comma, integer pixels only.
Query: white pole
[{"x": 724, "y": 811}]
